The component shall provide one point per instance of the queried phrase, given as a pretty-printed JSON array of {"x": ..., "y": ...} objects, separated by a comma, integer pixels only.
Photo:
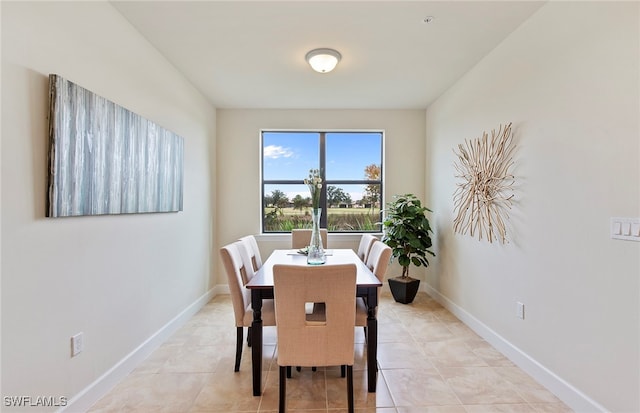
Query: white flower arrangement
[{"x": 314, "y": 182}]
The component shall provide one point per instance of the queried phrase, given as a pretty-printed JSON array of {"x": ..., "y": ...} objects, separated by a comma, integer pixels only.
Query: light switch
[
  {"x": 617, "y": 228},
  {"x": 627, "y": 229}
]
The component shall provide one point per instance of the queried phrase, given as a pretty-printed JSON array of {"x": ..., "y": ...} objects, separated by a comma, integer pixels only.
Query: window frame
[{"x": 322, "y": 162}]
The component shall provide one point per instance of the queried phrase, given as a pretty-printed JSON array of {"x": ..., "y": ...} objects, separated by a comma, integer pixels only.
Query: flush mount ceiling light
[{"x": 323, "y": 60}]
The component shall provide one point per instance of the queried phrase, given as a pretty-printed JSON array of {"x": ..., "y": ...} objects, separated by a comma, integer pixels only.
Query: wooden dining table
[{"x": 261, "y": 286}]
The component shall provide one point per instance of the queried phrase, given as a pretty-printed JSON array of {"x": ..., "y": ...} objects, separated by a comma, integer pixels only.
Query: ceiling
[{"x": 250, "y": 54}]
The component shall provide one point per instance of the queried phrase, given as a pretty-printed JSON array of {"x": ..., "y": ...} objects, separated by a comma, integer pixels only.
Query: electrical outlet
[
  {"x": 77, "y": 344},
  {"x": 520, "y": 310}
]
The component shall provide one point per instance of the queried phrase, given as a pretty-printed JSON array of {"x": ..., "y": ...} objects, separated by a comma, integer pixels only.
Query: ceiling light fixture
[{"x": 323, "y": 60}]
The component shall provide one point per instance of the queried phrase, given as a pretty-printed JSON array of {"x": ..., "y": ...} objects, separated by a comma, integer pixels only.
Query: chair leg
[
  {"x": 283, "y": 389},
  {"x": 350, "y": 388},
  {"x": 249, "y": 337},
  {"x": 288, "y": 372},
  {"x": 342, "y": 370},
  {"x": 239, "y": 333}
]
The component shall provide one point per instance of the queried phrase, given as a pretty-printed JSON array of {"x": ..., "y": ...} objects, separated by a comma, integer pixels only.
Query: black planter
[{"x": 404, "y": 290}]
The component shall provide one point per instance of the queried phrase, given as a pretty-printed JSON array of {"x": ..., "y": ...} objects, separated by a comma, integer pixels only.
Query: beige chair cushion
[
  {"x": 301, "y": 238},
  {"x": 251, "y": 245},
  {"x": 366, "y": 242},
  {"x": 248, "y": 261},
  {"x": 361, "y": 312},
  {"x": 377, "y": 262},
  {"x": 378, "y": 259},
  {"x": 268, "y": 314},
  {"x": 307, "y": 343}
]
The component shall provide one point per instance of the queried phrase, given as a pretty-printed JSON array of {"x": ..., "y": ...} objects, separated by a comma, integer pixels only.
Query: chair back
[
  {"x": 248, "y": 260},
  {"x": 301, "y": 238},
  {"x": 328, "y": 342},
  {"x": 378, "y": 259},
  {"x": 234, "y": 267},
  {"x": 366, "y": 241},
  {"x": 251, "y": 245}
]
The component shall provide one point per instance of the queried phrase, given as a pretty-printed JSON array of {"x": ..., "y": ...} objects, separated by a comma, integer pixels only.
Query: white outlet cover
[{"x": 77, "y": 344}]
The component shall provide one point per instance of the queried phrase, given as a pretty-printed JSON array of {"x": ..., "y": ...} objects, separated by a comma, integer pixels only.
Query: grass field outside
[{"x": 338, "y": 219}]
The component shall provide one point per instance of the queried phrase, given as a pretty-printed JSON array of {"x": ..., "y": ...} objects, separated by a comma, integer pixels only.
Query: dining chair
[
  {"x": 235, "y": 267},
  {"x": 366, "y": 241},
  {"x": 301, "y": 238},
  {"x": 377, "y": 261},
  {"x": 251, "y": 245},
  {"x": 328, "y": 341}
]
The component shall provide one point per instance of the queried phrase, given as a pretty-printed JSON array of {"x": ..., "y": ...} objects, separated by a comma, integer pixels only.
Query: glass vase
[{"x": 315, "y": 255}]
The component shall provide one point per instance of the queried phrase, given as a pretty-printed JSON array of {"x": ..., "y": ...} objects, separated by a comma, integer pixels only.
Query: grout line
[{"x": 219, "y": 305}]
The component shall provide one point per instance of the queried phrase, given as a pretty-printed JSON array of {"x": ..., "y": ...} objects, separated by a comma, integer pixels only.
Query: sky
[{"x": 290, "y": 155}]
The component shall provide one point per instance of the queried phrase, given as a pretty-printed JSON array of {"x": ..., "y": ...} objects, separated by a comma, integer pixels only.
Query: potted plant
[{"x": 407, "y": 232}]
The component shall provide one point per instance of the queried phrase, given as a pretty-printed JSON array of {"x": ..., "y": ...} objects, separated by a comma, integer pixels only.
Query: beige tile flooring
[{"x": 428, "y": 362}]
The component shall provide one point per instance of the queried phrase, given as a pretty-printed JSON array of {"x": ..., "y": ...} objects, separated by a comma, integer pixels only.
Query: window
[{"x": 350, "y": 164}]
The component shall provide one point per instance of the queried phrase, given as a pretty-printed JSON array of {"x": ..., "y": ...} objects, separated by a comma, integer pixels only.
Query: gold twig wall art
[{"x": 483, "y": 197}]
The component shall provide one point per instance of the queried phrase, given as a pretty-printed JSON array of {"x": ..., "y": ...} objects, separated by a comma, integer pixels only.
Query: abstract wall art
[
  {"x": 484, "y": 194},
  {"x": 105, "y": 159}
]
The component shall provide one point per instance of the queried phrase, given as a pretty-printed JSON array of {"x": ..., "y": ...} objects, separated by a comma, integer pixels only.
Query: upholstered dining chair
[
  {"x": 251, "y": 245},
  {"x": 328, "y": 341},
  {"x": 377, "y": 261},
  {"x": 235, "y": 267},
  {"x": 366, "y": 241},
  {"x": 301, "y": 238}
]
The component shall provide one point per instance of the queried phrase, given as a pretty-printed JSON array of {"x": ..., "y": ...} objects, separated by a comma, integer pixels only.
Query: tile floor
[{"x": 428, "y": 362}]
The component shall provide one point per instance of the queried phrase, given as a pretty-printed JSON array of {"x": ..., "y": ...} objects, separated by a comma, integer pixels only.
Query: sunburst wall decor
[{"x": 483, "y": 198}]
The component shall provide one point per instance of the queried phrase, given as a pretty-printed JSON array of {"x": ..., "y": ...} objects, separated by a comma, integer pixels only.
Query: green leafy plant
[{"x": 407, "y": 231}]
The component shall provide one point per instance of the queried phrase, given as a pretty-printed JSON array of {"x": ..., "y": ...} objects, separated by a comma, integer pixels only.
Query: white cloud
[{"x": 275, "y": 152}]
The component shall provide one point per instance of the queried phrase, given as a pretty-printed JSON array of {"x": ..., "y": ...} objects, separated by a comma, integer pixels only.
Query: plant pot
[{"x": 404, "y": 290}]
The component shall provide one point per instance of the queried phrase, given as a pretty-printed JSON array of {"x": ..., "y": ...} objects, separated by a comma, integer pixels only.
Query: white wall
[
  {"x": 238, "y": 163},
  {"x": 568, "y": 79},
  {"x": 117, "y": 279}
]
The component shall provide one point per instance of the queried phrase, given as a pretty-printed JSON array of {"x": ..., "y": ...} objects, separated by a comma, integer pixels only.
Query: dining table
[{"x": 261, "y": 286}]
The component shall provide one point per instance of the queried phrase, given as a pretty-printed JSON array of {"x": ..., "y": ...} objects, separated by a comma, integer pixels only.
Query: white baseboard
[
  {"x": 570, "y": 395},
  {"x": 82, "y": 401},
  {"x": 221, "y": 289}
]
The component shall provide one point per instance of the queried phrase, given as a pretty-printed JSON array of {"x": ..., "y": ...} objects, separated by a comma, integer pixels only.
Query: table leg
[
  {"x": 256, "y": 341},
  {"x": 372, "y": 340}
]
